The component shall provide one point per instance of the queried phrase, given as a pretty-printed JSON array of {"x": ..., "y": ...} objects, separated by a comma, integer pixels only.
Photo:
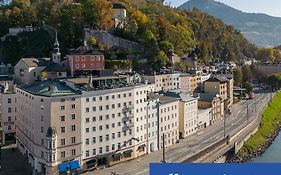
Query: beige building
[
  {"x": 223, "y": 86},
  {"x": 188, "y": 82},
  {"x": 8, "y": 113},
  {"x": 164, "y": 82},
  {"x": 48, "y": 126},
  {"x": 213, "y": 101}
]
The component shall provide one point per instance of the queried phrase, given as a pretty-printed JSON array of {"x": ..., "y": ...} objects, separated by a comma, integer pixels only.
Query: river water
[{"x": 273, "y": 153}]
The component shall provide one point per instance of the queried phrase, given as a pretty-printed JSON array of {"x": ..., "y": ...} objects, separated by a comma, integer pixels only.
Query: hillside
[
  {"x": 157, "y": 27},
  {"x": 261, "y": 29}
]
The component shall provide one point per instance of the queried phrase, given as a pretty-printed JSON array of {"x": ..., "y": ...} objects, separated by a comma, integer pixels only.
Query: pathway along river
[{"x": 273, "y": 152}]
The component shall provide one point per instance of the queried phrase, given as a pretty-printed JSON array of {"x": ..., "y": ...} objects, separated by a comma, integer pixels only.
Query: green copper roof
[{"x": 50, "y": 88}]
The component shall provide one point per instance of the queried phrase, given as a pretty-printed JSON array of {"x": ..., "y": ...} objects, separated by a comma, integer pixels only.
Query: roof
[
  {"x": 209, "y": 97},
  {"x": 36, "y": 62},
  {"x": 164, "y": 99},
  {"x": 54, "y": 67},
  {"x": 184, "y": 96},
  {"x": 85, "y": 50},
  {"x": 49, "y": 88},
  {"x": 220, "y": 79},
  {"x": 117, "y": 6},
  {"x": 85, "y": 80}
]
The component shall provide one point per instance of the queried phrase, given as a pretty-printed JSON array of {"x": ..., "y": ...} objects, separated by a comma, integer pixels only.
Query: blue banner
[{"x": 215, "y": 169}]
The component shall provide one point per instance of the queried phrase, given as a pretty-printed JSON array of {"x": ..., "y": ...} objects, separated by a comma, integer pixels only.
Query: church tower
[{"x": 56, "y": 55}]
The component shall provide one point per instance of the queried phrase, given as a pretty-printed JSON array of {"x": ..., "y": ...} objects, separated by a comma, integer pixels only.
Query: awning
[
  {"x": 128, "y": 152},
  {"x": 116, "y": 155},
  {"x": 141, "y": 147},
  {"x": 62, "y": 167},
  {"x": 74, "y": 165}
]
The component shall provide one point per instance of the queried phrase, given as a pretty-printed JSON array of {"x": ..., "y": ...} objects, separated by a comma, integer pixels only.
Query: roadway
[{"x": 195, "y": 143}]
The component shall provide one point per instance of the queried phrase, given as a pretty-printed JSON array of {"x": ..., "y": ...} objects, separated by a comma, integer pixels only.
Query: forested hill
[
  {"x": 261, "y": 29},
  {"x": 159, "y": 28}
]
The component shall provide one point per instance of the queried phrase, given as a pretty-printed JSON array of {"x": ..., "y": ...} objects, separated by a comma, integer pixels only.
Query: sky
[{"x": 270, "y": 7}]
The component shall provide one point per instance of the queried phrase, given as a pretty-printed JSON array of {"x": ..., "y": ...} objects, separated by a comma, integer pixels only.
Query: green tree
[
  {"x": 246, "y": 71},
  {"x": 166, "y": 46},
  {"x": 237, "y": 76}
]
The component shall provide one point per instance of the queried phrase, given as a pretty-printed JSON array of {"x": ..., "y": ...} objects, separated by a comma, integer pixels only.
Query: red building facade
[{"x": 85, "y": 60}]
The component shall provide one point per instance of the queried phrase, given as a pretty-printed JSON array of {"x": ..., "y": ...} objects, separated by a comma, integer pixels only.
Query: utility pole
[{"x": 163, "y": 139}]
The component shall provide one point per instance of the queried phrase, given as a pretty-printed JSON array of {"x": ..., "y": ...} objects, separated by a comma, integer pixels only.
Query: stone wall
[{"x": 110, "y": 40}]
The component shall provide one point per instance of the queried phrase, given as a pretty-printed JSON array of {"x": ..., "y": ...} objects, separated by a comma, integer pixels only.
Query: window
[
  {"x": 87, "y": 120},
  {"x": 94, "y": 119},
  {"x": 113, "y": 135},
  {"x": 100, "y": 108},
  {"x": 100, "y": 98},
  {"x": 92, "y": 58},
  {"x": 87, "y": 141},
  {"x": 73, "y": 106},
  {"x": 62, "y": 142},
  {"x": 73, "y": 128},
  {"x": 77, "y": 66},
  {"x": 62, "y": 118},
  {"x": 100, "y": 128},
  {"x": 9, "y": 110},
  {"x": 87, "y": 153},
  {"x": 106, "y": 126},
  {"x": 107, "y": 148},
  {"x": 87, "y": 100},
  {"x": 42, "y": 154},
  {"x": 113, "y": 147},
  {"x": 100, "y": 139},
  {"x": 73, "y": 140},
  {"x": 87, "y": 110},
  {"x": 87, "y": 130},
  {"x": 9, "y": 100},
  {"x": 94, "y": 139},
  {"x": 94, "y": 109},
  {"x": 9, "y": 119},
  {"x": 98, "y": 58},
  {"x": 62, "y": 107},
  {"x": 113, "y": 96},
  {"x": 94, "y": 98},
  {"x": 94, "y": 152},
  {"x": 94, "y": 129},
  {"x": 83, "y": 65},
  {"x": 100, "y": 118},
  {"x": 73, "y": 116},
  {"x": 100, "y": 150},
  {"x": 62, "y": 154},
  {"x": 76, "y": 58},
  {"x": 62, "y": 129},
  {"x": 42, "y": 129},
  {"x": 107, "y": 97},
  {"x": 113, "y": 125},
  {"x": 107, "y": 137},
  {"x": 83, "y": 58},
  {"x": 73, "y": 152}
]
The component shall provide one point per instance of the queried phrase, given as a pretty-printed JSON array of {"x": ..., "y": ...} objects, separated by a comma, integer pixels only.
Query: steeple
[{"x": 56, "y": 56}]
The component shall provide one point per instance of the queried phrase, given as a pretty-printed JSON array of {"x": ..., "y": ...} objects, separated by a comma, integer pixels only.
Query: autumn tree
[
  {"x": 92, "y": 41},
  {"x": 97, "y": 13},
  {"x": 265, "y": 54}
]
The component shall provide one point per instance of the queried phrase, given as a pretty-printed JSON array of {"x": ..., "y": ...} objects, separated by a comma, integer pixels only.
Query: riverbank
[{"x": 263, "y": 138}]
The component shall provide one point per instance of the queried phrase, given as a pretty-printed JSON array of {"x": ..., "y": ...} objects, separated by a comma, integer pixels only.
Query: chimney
[{"x": 51, "y": 88}]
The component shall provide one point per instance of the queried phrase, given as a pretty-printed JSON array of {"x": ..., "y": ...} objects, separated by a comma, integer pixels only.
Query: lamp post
[{"x": 247, "y": 111}]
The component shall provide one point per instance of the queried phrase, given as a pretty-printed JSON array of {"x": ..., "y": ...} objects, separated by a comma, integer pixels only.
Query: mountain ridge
[{"x": 261, "y": 29}]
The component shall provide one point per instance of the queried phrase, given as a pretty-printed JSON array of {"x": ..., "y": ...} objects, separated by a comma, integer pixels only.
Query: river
[{"x": 273, "y": 153}]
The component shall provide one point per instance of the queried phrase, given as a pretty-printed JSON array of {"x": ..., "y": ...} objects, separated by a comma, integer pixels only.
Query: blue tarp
[
  {"x": 62, "y": 167},
  {"x": 72, "y": 165}
]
